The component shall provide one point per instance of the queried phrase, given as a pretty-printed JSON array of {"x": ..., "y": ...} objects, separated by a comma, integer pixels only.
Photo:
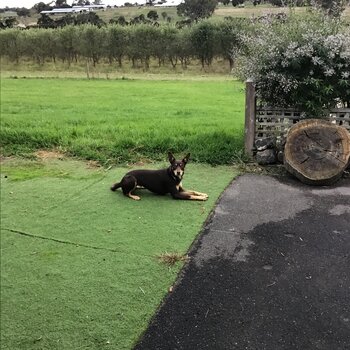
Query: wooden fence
[{"x": 274, "y": 122}]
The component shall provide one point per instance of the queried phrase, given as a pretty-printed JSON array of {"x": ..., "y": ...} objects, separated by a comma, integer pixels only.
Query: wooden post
[{"x": 249, "y": 130}]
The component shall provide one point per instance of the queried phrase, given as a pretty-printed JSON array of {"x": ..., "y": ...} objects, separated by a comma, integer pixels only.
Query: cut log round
[{"x": 317, "y": 152}]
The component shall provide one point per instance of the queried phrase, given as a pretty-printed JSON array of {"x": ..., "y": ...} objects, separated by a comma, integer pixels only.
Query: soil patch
[{"x": 48, "y": 155}]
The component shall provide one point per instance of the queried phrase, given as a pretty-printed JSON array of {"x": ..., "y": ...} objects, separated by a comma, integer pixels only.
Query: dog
[{"x": 162, "y": 181}]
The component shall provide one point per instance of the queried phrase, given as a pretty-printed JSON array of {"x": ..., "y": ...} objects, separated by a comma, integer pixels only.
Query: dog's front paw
[
  {"x": 203, "y": 197},
  {"x": 135, "y": 198}
]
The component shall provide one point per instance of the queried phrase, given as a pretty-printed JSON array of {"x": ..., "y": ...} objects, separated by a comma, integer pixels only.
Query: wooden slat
[
  {"x": 339, "y": 110},
  {"x": 272, "y": 121}
]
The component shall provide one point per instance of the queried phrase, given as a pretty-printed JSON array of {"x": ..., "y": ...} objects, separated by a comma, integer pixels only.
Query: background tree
[
  {"x": 229, "y": 38},
  {"x": 11, "y": 44},
  {"x": 91, "y": 42},
  {"x": 139, "y": 19},
  {"x": 89, "y": 18},
  {"x": 164, "y": 15},
  {"x": 61, "y": 4},
  {"x": 8, "y": 22},
  {"x": 152, "y": 15},
  {"x": 170, "y": 44},
  {"x": 143, "y": 39},
  {"x": 23, "y": 12},
  {"x": 184, "y": 46},
  {"x": 40, "y": 44},
  {"x": 41, "y": 6},
  {"x": 67, "y": 44},
  {"x": 120, "y": 20},
  {"x": 81, "y": 2},
  {"x": 65, "y": 20},
  {"x": 46, "y": 21},
  {"x": 197, "y": 9},
  {"x": 278, "y": 3},
  {"x": 203, "y": 39},
  {"x": 116, "y": 43},
  {"x": 237, "y": 2}
]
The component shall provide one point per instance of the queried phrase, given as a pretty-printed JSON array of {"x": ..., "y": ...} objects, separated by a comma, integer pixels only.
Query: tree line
[{"x": 138, "y": 44}]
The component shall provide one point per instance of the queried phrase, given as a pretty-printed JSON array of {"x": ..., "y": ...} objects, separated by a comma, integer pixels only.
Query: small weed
[{"x": 171, "y": 259}]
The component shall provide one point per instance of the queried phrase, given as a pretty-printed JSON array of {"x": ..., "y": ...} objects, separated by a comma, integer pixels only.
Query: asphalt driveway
[{"x": 271, "y": 270}]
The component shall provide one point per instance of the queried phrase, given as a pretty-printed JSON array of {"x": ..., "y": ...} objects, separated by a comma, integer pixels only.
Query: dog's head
[{"x": 178, "y": 166}]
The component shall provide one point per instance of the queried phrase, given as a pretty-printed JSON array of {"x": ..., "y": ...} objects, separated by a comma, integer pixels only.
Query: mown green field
[{"x": 118, "y": 121}]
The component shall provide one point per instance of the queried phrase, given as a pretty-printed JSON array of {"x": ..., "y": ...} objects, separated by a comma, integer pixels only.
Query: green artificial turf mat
[{"x": 79, "y": 266}]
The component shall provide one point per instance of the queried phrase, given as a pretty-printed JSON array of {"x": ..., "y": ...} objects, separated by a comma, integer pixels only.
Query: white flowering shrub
[{"x": 301, "y": 62}]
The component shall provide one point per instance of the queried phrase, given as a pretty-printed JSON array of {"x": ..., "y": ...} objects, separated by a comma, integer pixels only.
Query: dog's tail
[{"x": 115, "y": 186}]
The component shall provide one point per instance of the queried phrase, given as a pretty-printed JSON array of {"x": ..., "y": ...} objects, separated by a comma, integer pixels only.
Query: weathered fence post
[{"x": 249, "y": 130}]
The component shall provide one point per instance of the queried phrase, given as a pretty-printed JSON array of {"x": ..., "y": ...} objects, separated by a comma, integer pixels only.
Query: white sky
[{"x": 31, "y": 3}]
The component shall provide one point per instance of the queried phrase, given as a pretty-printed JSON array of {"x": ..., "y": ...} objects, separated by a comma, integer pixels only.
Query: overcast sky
[{"x": 30, "y": 3}]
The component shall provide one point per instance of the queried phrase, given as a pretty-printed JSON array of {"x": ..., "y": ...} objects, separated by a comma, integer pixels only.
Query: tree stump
[{"x": 317, "y": 152}]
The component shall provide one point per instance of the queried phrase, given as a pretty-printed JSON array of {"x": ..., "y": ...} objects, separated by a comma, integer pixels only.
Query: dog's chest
[{"x": 179, "y": 186}]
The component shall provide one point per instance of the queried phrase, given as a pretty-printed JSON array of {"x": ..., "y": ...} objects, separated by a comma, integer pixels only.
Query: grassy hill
[{"x": 220, "y": 12}]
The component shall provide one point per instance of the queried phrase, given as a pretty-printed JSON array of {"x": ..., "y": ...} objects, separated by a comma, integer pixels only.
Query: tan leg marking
[
  {"x": 195, "y": 193},
  {"x": 197, "y": 197},
  {"x": 132, "y": 196}
]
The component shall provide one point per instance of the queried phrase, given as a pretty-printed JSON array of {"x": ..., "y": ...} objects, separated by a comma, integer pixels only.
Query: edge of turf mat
[
  {"x": 101, "y": 284},
  {"x": 182, "y": 271}
]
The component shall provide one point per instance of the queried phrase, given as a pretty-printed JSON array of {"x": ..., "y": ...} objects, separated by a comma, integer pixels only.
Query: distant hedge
[{"x": 136, "y": 43}]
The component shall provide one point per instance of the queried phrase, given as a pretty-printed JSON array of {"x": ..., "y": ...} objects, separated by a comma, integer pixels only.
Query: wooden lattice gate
[{"x": 272, "y": 122}]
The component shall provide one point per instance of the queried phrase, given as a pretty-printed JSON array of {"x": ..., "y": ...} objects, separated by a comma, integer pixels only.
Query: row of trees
[
  {"x": 138, "y": 44},
  {"x": 151, "y": 17}
]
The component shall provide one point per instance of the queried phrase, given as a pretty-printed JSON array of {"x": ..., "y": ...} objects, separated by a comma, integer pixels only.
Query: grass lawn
[
  {"x": 79, "y": 266},
  {"x": 115, "y": 121}
]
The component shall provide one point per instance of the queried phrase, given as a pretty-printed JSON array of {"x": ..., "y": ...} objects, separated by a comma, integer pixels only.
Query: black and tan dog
[{"x": 160, "y": 181}]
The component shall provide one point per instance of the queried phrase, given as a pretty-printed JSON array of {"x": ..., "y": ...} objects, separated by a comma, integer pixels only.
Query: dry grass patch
[
  {"x": 93, "y": 164},
  {"x": 49, "y": 155},
  {"x": 171, "y": 259}
]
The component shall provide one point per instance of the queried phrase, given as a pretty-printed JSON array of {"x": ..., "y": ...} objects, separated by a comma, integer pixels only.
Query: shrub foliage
[{"x": 299, "y": 62}]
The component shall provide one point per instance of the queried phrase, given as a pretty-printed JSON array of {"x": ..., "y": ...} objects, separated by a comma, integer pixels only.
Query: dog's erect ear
[
  {"x": 171, "y": 157},
  {"x": 186, "y": 159}
]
